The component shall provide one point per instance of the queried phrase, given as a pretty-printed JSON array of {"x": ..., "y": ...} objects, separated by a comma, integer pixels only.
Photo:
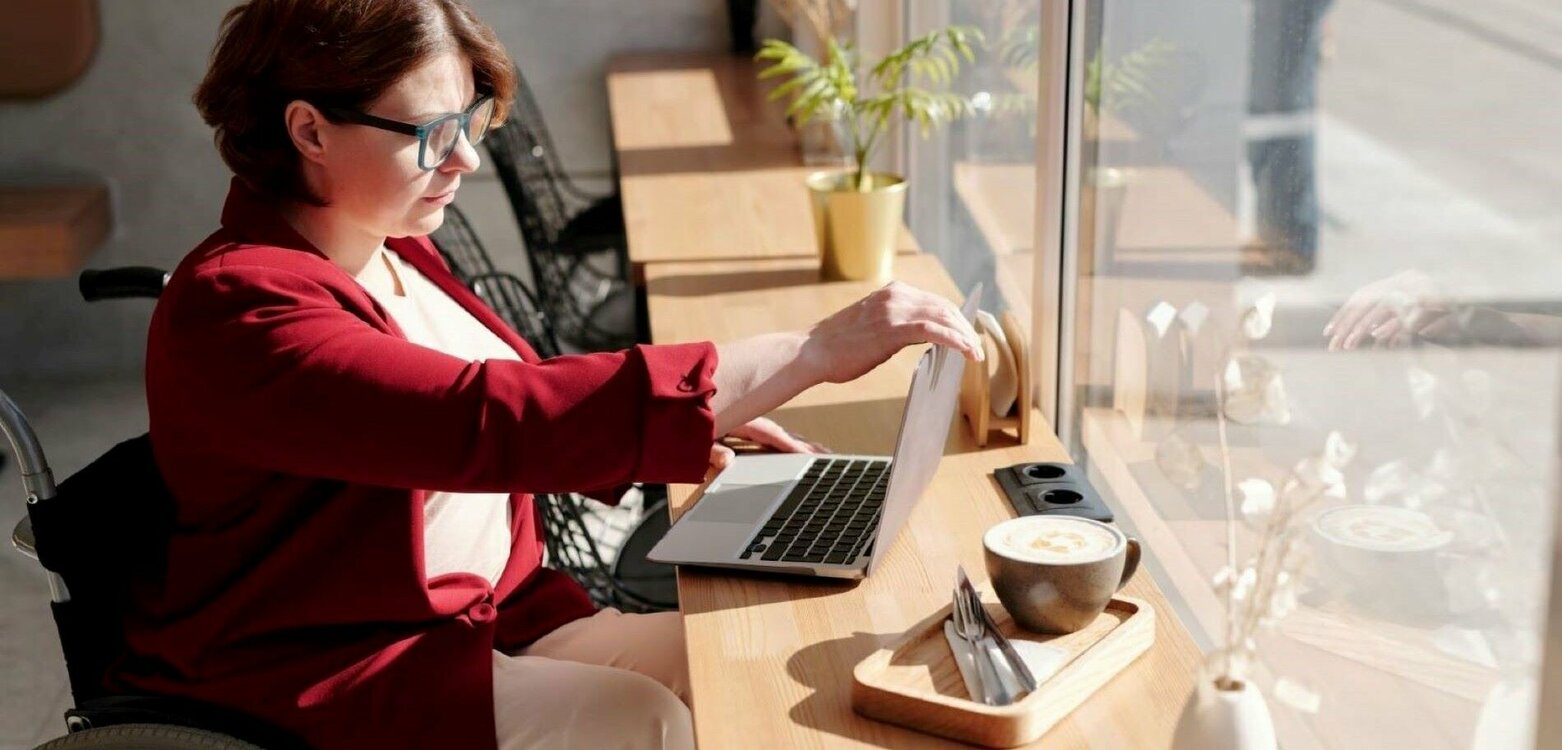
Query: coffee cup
[
  {"x": 1056, "y": 574},
  {"x": 1383, "y": 558}
]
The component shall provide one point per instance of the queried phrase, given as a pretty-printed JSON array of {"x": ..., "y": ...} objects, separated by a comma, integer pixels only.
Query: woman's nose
[{"x": 463, "y": 158}]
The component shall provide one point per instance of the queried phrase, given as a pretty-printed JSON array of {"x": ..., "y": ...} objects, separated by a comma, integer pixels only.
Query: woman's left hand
[
  {"x": 767, "y": 433},
  {"x": 762, "y": 432},
  {"x": 720, "y": 457}
]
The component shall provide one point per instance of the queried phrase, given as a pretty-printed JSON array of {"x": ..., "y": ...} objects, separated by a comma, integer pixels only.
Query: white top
[{"x": 465, "y": 532}]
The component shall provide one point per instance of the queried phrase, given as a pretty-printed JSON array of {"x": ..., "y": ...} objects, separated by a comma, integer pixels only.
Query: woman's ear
[{"x": 305, "y": 126}]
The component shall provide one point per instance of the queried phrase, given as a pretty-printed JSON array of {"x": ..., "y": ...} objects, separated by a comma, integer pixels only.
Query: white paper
[
  {"x": 963, "y": 659},
  {"x": 1042, "y": 660}
]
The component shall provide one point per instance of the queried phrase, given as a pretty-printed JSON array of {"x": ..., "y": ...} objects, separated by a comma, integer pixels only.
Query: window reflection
[{"x": 1352, "y": 168}]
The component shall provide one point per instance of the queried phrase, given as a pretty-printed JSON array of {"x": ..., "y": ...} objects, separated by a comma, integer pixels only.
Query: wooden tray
[{"x": 915, "y": 683}]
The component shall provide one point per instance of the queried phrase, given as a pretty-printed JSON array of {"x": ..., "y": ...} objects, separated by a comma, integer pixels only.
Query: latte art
[
  {"x": 1381, "y": 528},
  {"x": 1053, "y": 540}
]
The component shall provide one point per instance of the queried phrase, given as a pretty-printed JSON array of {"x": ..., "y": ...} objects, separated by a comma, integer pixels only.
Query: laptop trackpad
[{"x": 737, "y": 503}]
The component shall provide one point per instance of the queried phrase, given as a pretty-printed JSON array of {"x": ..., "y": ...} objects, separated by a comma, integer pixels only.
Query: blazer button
[
  {"x": 481, "y": 612},
  {"x": 690, "y": 381}
]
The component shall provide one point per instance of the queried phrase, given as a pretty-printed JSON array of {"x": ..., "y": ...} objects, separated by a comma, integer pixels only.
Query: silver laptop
[{"x": 824, "y": 514}]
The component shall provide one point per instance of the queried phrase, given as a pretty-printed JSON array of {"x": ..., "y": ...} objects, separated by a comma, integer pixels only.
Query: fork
[{"x": 970, "y": 629}]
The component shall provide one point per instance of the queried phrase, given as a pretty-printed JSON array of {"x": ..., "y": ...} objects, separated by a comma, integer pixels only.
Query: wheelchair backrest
[{"x": 105, "y": 532}]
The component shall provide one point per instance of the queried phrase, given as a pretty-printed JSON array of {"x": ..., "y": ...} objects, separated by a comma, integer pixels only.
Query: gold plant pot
[{"x": 857, "y": 229}]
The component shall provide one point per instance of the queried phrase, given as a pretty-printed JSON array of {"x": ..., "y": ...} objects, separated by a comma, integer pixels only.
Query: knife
[
  {"x": 964, "y": 659},
  {"x": 1027, "y": 680}
]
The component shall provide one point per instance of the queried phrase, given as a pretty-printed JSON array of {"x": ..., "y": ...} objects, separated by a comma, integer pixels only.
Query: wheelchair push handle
[{"x": 122, "y": 283}]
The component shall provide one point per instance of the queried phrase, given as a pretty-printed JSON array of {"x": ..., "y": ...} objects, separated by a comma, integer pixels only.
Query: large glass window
[
  {"x": 1316, "y": 218},
  {"x": 972, "y": 189}
]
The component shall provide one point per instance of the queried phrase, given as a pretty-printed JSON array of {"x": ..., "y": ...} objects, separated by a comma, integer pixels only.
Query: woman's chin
[{"x": 425, "y": 222}]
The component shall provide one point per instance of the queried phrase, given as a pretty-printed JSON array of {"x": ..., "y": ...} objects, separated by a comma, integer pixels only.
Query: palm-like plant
[
  {"x": 1120, "y": 85},
  {"x": 903, "y": 83},
  {"x": 1129, "y": 81}
]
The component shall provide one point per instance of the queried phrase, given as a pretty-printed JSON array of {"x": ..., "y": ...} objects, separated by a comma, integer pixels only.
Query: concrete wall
[{"x": 129, "y": 121}]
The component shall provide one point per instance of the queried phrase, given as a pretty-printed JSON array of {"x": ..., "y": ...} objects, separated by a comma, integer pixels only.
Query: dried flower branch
[{"x": 1262, "y": 589}]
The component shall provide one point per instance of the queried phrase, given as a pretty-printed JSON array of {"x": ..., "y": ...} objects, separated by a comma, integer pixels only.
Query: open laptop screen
[{"x": 924, "y": 427}]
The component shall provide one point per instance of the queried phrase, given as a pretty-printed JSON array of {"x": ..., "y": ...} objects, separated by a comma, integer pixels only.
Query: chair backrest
[
  {"x": 505, "y": 294},
  {"x": 573, "y": 548},
  {"x": 531, "y": 184},
  {"x": 525, "y": 113},
  {"x": 105, "y": 532},
  {"x": 457, "y": 241},
  {"x": 513, "y": 301},
  {"x": 541, "y": 211}
]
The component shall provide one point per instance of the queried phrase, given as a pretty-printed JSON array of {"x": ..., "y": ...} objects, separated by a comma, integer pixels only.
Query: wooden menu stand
[{"x": 976, "y": 387}]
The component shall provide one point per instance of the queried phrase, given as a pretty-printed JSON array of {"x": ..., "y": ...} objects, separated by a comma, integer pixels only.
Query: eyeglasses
[{"x": 437, "y": 137}]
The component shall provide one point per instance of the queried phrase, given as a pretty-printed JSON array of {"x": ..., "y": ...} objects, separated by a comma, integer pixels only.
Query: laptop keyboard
[{"x": 829, "y": 517}]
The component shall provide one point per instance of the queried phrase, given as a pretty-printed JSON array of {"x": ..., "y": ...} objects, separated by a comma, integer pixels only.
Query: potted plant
[
  {"x": 857, "y": 213},
  {"x": 821, "y": 142}
]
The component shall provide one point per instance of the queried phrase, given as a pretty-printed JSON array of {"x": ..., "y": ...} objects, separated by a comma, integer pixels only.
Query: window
[
  {"x": 1250, "y": 172},
  {"x": 972, "y": 195}
]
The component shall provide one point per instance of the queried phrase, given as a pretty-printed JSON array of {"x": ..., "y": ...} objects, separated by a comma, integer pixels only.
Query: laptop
[{"x": 823, "y": 515}]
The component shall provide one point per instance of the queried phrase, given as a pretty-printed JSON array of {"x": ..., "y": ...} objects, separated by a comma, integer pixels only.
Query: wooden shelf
[{"x": 48, "y": 232}]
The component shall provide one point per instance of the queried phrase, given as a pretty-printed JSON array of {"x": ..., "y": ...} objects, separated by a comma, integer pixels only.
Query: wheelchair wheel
[{"x": 146, "y": 737}]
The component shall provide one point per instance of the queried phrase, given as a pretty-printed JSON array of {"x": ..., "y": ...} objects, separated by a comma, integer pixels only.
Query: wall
[{"x": 129, "y": 121}]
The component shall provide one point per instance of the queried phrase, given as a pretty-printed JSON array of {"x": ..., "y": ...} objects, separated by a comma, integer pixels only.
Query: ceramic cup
[
  {"x": 1385, "y": 559},
  {"x": 1055, "y": 574}
]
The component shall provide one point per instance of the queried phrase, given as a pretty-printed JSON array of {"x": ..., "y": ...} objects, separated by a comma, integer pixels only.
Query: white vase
[
  {"x": 1216, "y": 718},
  {"x": 1507, "y": 718}
]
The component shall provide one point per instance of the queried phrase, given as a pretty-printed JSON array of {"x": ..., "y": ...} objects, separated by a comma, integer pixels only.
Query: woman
[{"x": 349, "y": 434}]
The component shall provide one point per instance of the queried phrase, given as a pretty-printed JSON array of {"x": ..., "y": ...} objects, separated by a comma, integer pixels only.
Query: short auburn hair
[{"x": 333, "y": 53}]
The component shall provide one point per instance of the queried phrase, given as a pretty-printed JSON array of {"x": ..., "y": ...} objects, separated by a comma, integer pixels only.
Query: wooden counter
[
  {"x": 771, "y": 659},
  {"x": 708, "y": 169}
]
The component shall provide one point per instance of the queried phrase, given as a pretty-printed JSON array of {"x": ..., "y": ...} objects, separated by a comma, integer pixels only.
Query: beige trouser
[{"x": 607, "y": 681}]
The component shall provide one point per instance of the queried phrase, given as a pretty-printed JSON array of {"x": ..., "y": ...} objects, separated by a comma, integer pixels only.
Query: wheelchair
[
  {"x": 105, "y": 527},
  {"x": 94, "y": 534}
]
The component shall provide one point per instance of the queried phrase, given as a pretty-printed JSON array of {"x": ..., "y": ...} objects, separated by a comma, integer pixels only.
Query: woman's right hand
[
  {"x": 1388, "y": 312},
  {"x": 862, "y": 336}
]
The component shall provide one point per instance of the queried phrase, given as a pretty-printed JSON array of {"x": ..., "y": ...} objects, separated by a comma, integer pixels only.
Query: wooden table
[
  {"x": 708, "y": 168},
  {"x": 771, "y": 659}
]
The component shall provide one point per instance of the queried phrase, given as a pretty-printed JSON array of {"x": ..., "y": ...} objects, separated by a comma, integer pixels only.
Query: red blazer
[{"x": 298, "y": 430}]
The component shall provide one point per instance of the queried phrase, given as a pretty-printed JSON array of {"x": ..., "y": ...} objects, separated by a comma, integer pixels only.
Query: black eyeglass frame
[{"x": 421, "y": 132}]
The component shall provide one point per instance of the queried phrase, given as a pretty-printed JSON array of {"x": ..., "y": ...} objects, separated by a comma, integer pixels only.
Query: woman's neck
[{"x": 346, "y": 245}]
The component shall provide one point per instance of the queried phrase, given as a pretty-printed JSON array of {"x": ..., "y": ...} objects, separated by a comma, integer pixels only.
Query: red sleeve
[{"x": 271, "y": 371}]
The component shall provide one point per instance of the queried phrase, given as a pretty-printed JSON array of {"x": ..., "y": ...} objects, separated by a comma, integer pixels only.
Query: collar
[{"x": 254, "y": 218}]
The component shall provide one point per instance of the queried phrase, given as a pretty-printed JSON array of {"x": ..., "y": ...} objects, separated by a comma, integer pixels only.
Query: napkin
[
  {"x": 963, "y": 659},
  {"x": 1042, "y": 660}
]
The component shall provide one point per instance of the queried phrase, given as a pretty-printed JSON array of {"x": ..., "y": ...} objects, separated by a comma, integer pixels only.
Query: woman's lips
[{"x": 441, "y": 199}]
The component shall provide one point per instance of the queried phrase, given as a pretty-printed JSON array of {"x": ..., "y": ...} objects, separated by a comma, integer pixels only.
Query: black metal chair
[
  {"x": 505, "y": 294},
  {"x": 629, "y": 582},
  {"x": 98, "y": 534},
  {"x": 605, "y": 209},
  {"x": 457, "y": 241},
  {"x": 564, "y": 229}
]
